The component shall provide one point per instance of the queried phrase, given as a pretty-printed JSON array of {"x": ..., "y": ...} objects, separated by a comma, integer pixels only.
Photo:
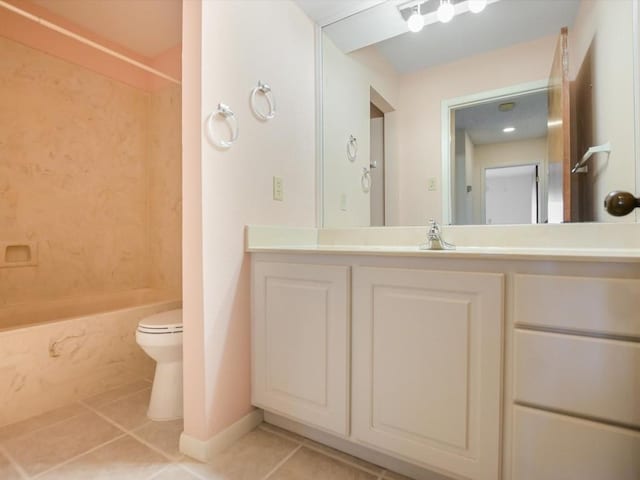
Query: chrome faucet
[{"x": 435, "y": 240}]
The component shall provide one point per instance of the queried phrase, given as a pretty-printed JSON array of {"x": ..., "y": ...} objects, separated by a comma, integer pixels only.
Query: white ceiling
[
  {"x": 148, "y": 27},
  {"x": 356, "y": 24},
  {"x": 484, "y": 122},
  {"x": 325, "y": 12}
]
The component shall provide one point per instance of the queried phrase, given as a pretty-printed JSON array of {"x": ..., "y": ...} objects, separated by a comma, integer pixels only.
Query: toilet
[{"x": 160, "y": 336}]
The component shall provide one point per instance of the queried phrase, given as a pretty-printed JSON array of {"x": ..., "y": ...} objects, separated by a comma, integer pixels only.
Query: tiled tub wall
[
  {"x": 90, "y": 175},
  {"x": 50, "y": 365}
]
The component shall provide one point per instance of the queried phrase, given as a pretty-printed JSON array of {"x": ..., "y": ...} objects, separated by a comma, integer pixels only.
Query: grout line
[
  {"x": 283, "y": 461},
  {"x": 281, "y": 435},
  {"x": 343, "y": 460},
  {"x": 135, "y": 436},
  {"x": 12, "y": 461},
  {"x": 56, "y": 423},
  {"x": 126, "y": 395},
  {"x": 69, "y": 460}
]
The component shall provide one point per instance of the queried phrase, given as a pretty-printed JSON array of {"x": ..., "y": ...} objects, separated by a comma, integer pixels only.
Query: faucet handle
[{"x": 434, "y": 228}]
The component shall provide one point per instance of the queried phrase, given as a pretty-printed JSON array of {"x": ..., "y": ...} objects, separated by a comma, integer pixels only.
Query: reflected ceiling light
[
  {"x": 509, "y": 129},
  {"x": 416, "y": 21},
  {"x": 476, "y": 6},
  {"x": 446, "y": 11}
]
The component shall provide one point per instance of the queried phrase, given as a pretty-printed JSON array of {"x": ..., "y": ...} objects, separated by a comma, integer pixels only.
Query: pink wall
[
  {"x": 225, "y": 190},
  {"x": 27, "y": 32}
]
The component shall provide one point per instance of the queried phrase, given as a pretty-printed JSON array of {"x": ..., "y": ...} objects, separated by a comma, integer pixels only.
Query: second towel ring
[
  {"x": 266, "y": 91},
  {"x": 226, "y": 112},
  {"x": 352, "y": 148},
  {"x": 365, "y": 181}
]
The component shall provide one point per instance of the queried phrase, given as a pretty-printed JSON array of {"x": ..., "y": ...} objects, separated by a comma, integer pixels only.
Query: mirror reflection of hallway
[
  {"x": 511, "y": 195},
  {"x": 376, "y": 164}
]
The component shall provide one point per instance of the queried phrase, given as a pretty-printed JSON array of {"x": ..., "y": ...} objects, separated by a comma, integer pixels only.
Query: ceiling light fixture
[
  {"x": 446, "y": 11},
  {"x": 416, "y": 20},
  {"x": 509, "y": 129},
  {"x": 476, "y": 6}
]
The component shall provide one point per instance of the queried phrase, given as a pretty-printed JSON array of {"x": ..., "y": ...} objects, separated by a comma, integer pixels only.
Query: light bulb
[
  {"x": 509, "y": 129},
  {"x": 416, "y": 21},
  {"x": 446, "y": 11},
  {"x": 476, "y": 6}
]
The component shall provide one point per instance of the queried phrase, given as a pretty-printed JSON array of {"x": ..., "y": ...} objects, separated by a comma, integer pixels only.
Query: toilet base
[{"x": 166, "y": 394}]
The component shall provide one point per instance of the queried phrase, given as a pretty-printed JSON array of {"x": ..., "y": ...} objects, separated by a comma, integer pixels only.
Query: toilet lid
[{"x": 163, "y": 322}]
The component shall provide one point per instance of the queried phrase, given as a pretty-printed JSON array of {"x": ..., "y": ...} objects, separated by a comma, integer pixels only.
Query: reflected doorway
[
  {"x": 511, "y": 195},
  {"x": 377, "y": 166}
]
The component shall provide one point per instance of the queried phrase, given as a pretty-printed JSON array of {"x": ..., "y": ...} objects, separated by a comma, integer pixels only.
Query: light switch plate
[
  {"x": 432, "y": 184},
  {"x": 343, "y": 202},
  {"x": 278, "y": 189}
]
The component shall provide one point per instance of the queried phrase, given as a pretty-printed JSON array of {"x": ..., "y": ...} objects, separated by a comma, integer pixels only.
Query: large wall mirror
[{"x": 474, "y": 112}]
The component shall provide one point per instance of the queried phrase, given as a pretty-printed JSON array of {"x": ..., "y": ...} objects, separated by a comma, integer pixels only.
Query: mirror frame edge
[
  {"x": 319, "y": 130},
  {"x": 636, "y": 92}
]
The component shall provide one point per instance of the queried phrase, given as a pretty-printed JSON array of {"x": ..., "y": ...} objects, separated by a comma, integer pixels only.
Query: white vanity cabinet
[
  {"x": 300, "y": 342},
  {"x": 427, "y": 349}
]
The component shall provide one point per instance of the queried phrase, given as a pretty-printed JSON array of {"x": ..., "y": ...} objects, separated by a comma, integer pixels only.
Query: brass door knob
[{"x": 620, "y": 204}]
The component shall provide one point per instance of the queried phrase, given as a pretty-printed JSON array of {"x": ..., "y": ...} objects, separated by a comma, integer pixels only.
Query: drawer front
[
  {"x": 548, "y": 446},
  {"x": 585, "y": 376},
  {"x": 597, "y": 305}
]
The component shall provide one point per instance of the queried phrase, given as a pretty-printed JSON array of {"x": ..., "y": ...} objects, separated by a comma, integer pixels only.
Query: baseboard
[{"x": 204, "y": 450}]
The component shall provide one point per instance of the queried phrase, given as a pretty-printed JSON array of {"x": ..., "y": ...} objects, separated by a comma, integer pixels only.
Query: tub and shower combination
[
  {"x": 56, "y": 352},
  {"x": 90, "y": 207}
]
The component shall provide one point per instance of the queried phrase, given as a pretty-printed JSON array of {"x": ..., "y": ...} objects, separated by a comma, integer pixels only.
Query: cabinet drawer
[
  {"x": 550, "y": 446},
  {"x": 586, "y": 376},
  {"x": 598, "y": 305}
]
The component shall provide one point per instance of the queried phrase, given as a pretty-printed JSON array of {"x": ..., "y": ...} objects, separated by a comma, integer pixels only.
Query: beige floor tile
[
  {"x": 116, "y": 393},
  {"x": 175, "y": 472},
  {"x": 309, "y": 464},
  {"x": 162, "y": 435},
  {"x": 123, "y": 459},
  {"x": 281, "y": 431},
  {"x": 7, "y": 472},
  {"x": 395, "y": 476},
  {"x": 48, "y": 447},
  {"x": 251, "y": 458},
  {"x": 129, "y": 412},
  {"x": 41, "y": 421},
  {"x": 332, "y": 452}
]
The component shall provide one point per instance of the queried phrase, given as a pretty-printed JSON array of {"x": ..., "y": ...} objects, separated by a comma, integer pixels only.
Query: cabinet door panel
[
  {"x": 427, "y": 367},
  {"x": 300, "y": 335}
]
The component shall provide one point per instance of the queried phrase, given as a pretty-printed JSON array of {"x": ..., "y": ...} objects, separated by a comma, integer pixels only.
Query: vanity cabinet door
[
  {"x": 427, "y": 371},
  {"x": 300, "y": 342}
]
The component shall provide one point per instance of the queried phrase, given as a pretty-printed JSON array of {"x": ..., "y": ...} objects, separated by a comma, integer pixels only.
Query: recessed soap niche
[{"x": 18, "y": 254}]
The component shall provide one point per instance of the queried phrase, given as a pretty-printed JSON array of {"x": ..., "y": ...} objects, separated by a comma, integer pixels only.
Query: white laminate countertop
[{"x": 576, "y": 242}]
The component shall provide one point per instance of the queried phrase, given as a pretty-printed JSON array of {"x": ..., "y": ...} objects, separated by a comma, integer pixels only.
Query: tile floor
[{"x": 108, "y": 436}]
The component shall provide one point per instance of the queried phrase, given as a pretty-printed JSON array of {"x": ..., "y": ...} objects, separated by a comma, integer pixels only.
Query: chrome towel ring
[
  {"x": 266, "y": 91},
  {"x": 225, "y": 112},
  {"x": 352, "y": 148},
  {"x": 365, "y": 181}
]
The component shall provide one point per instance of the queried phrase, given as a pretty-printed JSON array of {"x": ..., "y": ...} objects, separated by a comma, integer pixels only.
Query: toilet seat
[{"x": 169, "y": 322}]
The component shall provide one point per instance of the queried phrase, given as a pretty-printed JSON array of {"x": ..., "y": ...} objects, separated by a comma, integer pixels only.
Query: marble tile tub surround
[
  {"x": 575, "y": 237},
  {"x": 87, "y": 439},
  {"x": 87, "y": 164},
  {"x": 46, "y": 366}
]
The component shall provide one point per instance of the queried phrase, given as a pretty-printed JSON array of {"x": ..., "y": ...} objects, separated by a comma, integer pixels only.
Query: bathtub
[{"x": 58, "y": 352}]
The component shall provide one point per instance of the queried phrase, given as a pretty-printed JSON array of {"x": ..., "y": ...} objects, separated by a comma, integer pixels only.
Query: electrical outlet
[
  {"x": 432, "y": 184},
  {"x": 278, "y": 189},
  {"x": 343, "y": 202}
]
